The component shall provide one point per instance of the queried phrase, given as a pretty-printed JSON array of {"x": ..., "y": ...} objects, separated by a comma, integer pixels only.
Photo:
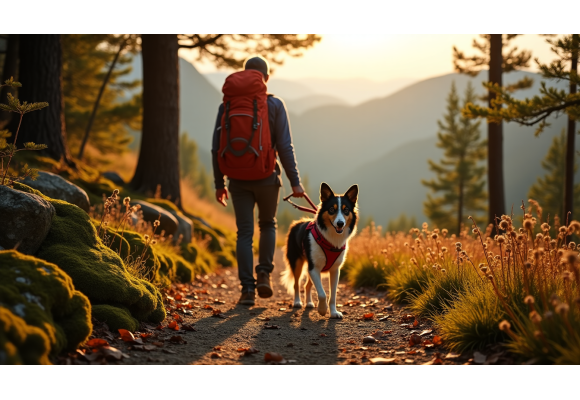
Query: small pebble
[{"x": 369, "y": 339}]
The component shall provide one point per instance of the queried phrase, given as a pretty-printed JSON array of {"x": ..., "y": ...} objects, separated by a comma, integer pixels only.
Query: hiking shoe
[
  {"x": 264, "y": 287},
  {"x": 247, "y": 298}
]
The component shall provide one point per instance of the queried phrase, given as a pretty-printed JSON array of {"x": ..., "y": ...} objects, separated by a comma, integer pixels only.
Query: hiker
[{"x": 252, "y": 127}]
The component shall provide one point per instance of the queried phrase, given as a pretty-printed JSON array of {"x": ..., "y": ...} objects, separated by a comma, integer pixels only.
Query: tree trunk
[
  {"x": 40, "y": 75},
  {"x": 495, "y": 137},
  {"x": 159, "y": 154},
  {"x": 10, "y": 70},
  {"x": 570, "y": 146}
]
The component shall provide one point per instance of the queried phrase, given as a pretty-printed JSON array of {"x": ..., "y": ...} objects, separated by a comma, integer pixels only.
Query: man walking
[{"x": 244, "y": 148}]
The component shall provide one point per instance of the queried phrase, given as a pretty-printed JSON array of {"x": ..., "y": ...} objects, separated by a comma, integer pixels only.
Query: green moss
[
  {"x": 225, "y": 259},
  {"x": 203, "y": 232},
  {"x": 96, "y": 270},
  {"x": 21, "y": 343},
  {"x": 44, "y": 296},
  {"x": 116, "y": 317}
]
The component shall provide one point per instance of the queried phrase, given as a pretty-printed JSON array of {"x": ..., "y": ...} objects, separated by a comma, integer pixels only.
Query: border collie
[{"x": 321, "y": 243}]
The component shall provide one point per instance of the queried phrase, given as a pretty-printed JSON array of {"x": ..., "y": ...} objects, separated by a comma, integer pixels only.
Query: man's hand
[
  {"x": 298, "y": 191},
  {"x": 221, "y": 195}
]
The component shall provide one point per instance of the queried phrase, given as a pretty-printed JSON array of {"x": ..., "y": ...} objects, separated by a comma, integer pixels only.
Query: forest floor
[{"x": 213, "y": 329}]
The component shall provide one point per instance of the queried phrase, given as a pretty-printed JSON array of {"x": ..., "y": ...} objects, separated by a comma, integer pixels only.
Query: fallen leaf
[
  {"x": 407, "y": 317},
  {"x": 426, "y": 332},
  {"x": 160, "y": 327},
  {"x": 111, "y": 353},
  {"x": 282, "y": 309},
  {"x": 412, "y": 352},
  {"x": 382, "y": 361},
  {"x": 451, "y": 356},
  {"x": 207, "y": 307},
  {"x": 369, "y": 339},
  {"x": 217, "y": 348},
  {"x": 414, "y": 340},
  {"x": 145, "y": 335},
  {"x": 158, "y": 344},
  {"x": 437, "y": 340},
  {"x": 97, "y": 342},
  {"x": 215, "y": 355},
  {"x": 275, "y": 357},
  {"x": 479, "y": 358},
  {"x": 173, "y": 325},
  {"x": 368, "y": 315},
  {"x": 126, "y": 335},
  {"x": 385, "y": 318},
  {"x": 176, "y": 339},
  {"x": 177, "y": 317},
  {"x": 322, "y": 335},
  {"x": 415, "y": 324},
  {"x": 263, "y": 318},
  {"x": 188, "y": 328},
  {"x": 178, "y": 297}
]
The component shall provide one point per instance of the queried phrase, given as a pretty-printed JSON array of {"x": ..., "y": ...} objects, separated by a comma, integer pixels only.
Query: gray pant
[{"x": 244, "y": 197}]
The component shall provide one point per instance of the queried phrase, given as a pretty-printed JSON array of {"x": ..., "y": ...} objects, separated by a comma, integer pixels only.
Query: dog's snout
[{"x": 340, "y": 224}]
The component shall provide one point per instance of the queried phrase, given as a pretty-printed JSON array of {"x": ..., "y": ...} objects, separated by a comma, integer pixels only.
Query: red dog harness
[{"x": 332, "y": 253}]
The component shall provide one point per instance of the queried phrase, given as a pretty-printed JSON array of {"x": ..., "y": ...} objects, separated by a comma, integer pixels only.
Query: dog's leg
[
  {"x": 308, "y": 290},
  {"x": 334, "y": 274},
  {"x": 297, "y": 273},
  {"x": 317, "y": 281}
]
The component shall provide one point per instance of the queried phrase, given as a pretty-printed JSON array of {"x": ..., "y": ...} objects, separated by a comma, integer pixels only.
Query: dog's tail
[{"x": 287, "y": 277}]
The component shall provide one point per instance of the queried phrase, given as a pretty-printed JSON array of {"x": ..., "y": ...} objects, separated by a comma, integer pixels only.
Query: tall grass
[{"x": 519, "y": 285}]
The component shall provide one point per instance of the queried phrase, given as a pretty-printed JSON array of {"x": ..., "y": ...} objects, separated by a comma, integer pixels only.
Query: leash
[{"x": 312, "y": 210}]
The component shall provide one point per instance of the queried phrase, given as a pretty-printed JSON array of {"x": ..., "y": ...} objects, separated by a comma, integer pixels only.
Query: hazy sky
[{"x": 383, "y": 57}]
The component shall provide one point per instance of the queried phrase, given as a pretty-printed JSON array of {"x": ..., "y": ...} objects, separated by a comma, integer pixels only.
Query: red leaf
[
  {"x": 369, "y": 315},
  {"x": 160, "y": 327},
  {"x": 173, "y": 325},
  {"x": 97, "y": 343},
  {"x": 415, "y": 324},
  {"x": 146, "y": 335},
  {"x": 207, "y": 307},
  {"x": 126, "y": 335},
  {"x": 178, "y": 297},
  {"x": 322, "y": 335},
  {"x": 437, "y": 340},
  {"x": 269, "y": 357},
  {"x": 415, "y": 339}
]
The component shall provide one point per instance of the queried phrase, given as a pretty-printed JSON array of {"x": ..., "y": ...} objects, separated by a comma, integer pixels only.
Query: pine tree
[
  {"x": 551, "y": 101},
  {"x": 549, "y": 189},
  {"x": 460, "y": 175},
  {"x": 158, "y": 163},
  {"x": 88, "y": 72},
  {"x": 497, "y": 62}
]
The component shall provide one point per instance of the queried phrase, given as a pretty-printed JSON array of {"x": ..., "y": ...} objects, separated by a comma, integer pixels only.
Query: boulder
[
  {"x": 114, "y": 177},
  {"x": 56, "y": 187},
  {"x": 184, "y": 227},
  {"x": 25, "y": 220},
  {"x": 151, "y": 213}
]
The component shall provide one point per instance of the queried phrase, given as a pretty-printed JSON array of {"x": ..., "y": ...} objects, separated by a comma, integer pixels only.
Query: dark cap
[{"x": 258, "y": 63}]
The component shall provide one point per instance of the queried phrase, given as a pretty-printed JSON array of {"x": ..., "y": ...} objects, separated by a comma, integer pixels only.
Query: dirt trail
[{"x": 303, "y": 336}]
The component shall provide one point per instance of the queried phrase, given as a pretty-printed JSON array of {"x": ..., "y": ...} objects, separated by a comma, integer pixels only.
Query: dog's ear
[
  {"x": 352, "y": 193},
  {"x": 325, "y": 192}
]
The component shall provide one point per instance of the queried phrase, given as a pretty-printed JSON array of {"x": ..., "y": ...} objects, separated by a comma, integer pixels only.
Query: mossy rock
[
  {"x": 21, "y": 343},
  {"x": 225, "y": 259},
  {"x": 202, "y": 231},
  {"x": 116, "y": 317},
  {"x": 43, "y": 295},
  {"x": 96, "y": 270},
  {"x": 165, "y": 204}
]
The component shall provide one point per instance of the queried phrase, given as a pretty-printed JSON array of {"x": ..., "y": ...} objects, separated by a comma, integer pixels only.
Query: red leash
[{"x": 312, "y": 210}]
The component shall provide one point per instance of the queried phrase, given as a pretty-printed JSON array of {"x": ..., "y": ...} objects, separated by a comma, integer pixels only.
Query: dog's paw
[
  {"x": 297, "y": 304},
  {"x": 336, "y": 314},
  {"x": 310, "y": 305},
  {"x": 322, "y": 307}
]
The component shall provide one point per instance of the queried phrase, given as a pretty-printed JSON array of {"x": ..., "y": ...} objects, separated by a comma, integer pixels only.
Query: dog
[{"x": 321, "y": 243}]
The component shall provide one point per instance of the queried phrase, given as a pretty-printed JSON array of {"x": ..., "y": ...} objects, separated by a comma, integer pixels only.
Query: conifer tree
[
  {"x": 493, "y": 57},
  {"x": 158, "y": 155},
  {"x": 460, "y": 175},
  {"x": 99, "y": 99},
  {"x": 549, "y": 189},
  {"x": 551, "y": 101}
]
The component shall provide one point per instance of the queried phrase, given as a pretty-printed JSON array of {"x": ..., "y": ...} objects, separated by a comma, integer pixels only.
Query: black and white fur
[{"x": 336, "y": 220}]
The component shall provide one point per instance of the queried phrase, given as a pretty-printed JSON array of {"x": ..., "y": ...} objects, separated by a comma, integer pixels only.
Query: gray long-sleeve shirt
[{"x": 281, "y": 140}]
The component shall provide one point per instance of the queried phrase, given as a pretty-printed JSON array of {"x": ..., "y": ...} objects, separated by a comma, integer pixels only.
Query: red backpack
[{"x": 245, "y": 150}]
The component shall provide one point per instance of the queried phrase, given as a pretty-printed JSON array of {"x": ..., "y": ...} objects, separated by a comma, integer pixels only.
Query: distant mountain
[
  {"x": 391, "y": 184},
  {"x": 356, "y": 90},
  {"x": 303, "y": 104}
]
